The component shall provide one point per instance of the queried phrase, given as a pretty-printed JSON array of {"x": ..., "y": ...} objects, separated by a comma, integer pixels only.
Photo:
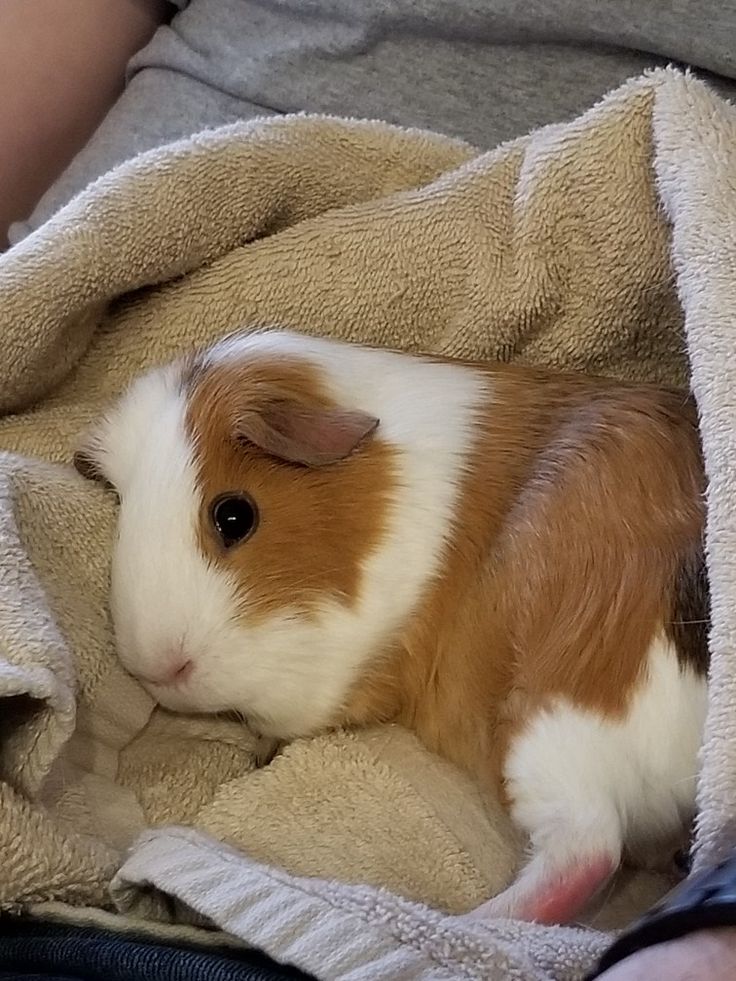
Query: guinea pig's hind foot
[{"x": 551, "y": 893}]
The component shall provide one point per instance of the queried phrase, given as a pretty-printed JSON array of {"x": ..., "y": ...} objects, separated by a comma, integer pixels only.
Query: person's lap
[{"x": 225, "y": 60}]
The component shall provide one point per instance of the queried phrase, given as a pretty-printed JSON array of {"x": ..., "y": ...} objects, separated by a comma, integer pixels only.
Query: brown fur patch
[
  {"x": 582, "y": 505},
  {"x": 317, "y": 526}
]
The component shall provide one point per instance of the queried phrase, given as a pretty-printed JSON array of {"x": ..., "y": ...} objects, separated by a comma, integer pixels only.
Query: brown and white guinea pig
[{"x": 505, "y": 560}]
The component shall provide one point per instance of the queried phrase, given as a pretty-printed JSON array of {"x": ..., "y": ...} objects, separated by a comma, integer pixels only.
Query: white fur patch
[
  {"x": 583, "y": 785},
  {"x": 158, "y": 576},
  {"x": 288, "y": 675}
]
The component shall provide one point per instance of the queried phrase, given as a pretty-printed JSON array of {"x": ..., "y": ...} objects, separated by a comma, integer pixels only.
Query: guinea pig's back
[
  {"x": 603, "y": 544},
  {"x": 605, "y": 607}
]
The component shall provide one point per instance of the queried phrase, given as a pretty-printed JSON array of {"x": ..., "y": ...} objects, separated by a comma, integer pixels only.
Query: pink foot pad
[{"x": 562, "y": 898}]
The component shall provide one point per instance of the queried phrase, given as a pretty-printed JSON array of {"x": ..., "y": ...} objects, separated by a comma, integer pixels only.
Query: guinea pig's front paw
[{"x": 266, "y": 749}]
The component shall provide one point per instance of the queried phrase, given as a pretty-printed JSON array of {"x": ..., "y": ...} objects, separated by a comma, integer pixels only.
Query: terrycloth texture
[
  {"x": 348, "y": 932},
  {"x": 553, "y": 249}
]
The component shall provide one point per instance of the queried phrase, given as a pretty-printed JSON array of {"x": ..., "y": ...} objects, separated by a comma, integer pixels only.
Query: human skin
[
  {"x": 704, "y": 954},
  {"x": 62, "y": 66}
]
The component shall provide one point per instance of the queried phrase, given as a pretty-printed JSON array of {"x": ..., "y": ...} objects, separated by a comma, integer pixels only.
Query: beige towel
[{"x": 604, "y": 244}]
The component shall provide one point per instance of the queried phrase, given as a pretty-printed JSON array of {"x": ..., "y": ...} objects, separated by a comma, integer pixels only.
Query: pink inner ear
[{"x": 310, "y": 435}]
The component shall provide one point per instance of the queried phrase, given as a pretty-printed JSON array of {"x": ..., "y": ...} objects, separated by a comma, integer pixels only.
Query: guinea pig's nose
[{"x": 176, "y": 672}]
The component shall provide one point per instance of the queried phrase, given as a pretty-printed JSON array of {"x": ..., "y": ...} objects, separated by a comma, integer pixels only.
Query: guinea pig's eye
[{"x": 234, "y": 517}]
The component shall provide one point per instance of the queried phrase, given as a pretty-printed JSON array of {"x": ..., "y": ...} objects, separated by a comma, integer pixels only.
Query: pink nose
[{"x": 177, "y": 672}]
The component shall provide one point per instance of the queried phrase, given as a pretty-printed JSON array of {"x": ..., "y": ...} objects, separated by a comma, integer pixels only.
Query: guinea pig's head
[{"x": 250, "y": 504}]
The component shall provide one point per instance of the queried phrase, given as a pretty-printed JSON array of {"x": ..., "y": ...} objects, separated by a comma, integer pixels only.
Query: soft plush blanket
[{"x": 606, "y": 244}]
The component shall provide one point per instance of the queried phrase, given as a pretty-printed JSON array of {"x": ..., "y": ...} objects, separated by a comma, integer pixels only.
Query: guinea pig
[{"x": 505, "y": 560}]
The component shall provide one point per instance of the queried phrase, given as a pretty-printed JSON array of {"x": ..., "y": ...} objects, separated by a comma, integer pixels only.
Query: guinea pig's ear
[{"x": 312, "y": 435}]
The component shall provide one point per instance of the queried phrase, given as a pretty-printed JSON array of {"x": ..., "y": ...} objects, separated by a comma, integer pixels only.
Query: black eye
[{"x": 235, "y": 518}]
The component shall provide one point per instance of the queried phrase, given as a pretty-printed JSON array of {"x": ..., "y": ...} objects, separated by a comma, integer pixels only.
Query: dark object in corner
[{"x": 37, "y": 949}]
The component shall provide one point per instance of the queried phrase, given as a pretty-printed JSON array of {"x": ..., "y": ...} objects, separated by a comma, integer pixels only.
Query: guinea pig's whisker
[
  {"x": 233, "y": 715},
  {"x": 682, "y": 780}
]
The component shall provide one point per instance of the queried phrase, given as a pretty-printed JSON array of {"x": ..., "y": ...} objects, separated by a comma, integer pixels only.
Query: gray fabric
[{"x": 483, "y": 70}]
